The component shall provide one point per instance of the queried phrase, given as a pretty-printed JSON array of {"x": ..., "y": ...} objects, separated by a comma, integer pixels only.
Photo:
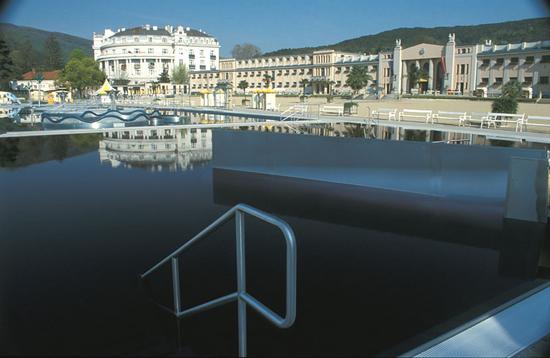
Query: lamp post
[
  {"x": 28, "y": 88},
  {"x": 39, "y": 78}
]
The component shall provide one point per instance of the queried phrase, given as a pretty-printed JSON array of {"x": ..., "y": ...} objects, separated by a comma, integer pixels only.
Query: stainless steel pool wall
[{"x": 512, "y": 179}]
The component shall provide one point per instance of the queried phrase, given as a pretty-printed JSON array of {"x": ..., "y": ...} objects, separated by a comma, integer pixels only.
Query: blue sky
[{"x": 269, "y": 24}]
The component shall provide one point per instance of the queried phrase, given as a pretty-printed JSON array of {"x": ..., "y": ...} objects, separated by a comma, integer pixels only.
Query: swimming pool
[{"x": 82, "y": 219}]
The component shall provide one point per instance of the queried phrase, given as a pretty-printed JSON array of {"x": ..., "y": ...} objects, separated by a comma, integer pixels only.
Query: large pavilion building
[{"x": 449, "y": 69}]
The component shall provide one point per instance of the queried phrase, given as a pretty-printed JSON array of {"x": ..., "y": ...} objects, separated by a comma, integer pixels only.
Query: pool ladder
[{"x": 242, "y": 297}]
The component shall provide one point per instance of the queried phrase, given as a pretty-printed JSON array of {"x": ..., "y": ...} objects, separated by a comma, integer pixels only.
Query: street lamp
[
  {"x": 28, "y": 88},
  {"x": 39, "y": 78}
]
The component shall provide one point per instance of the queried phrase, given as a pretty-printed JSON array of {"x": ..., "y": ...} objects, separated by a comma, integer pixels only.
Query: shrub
[
  {"x": 505, "y": 105},
  {"x": 350, "y": 107},
  {"x": 511, "y": 89}
]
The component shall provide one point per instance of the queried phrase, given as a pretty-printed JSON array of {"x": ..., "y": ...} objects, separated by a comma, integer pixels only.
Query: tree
[
  {"x": 6, "y": 65},
  {"x": 415, "y": 75},
  {"x": 223, "y": 85},
  {"x": 81, "y": 72},
  {"x": 508, "y": 101},
  {"x": 267, "y": 80},
  {"x": 180, "y": 75},
  {"x": 53, "y": 56},
  {"x": 77, "y": 54},
  {"x": 25, "y": 58},
  {"x": 511, "y": 89},
  {"x": 304, "y": 83},
  {"x": 358, "y": 78},
  {"x": 245, "y": 50},
  {"x": 505, "y": 104},
  {"x": 164, "y": 77},
  {"x": 243, "y": 85},
  {"x": 329, "y": 84}
]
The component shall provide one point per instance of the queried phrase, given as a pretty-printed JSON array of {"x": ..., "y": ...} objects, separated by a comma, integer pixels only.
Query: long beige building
[{"x": 450, "y": 69}]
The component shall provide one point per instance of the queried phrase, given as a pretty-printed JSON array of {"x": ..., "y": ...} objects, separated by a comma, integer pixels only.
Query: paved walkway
[{"x": 309, "y": 118}]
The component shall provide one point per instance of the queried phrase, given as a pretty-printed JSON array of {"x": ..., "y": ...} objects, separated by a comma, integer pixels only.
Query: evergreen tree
[
  {"x": 511, "y": 89},
  {"x": 53, "y": 56},
  {"x": 508, "y": 101},
  {"x": 25, "y": 58},
  {"x": 6, "y": 65},
  {"x": 164, "y": 77}
]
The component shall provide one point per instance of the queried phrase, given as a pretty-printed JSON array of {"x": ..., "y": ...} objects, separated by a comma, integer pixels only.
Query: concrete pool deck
[{"x": 307, "y": 119}]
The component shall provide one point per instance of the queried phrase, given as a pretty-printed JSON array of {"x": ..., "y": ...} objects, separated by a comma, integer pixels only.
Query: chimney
[
  {"x": 155, "y": 28},
  {"x": 147, "y": 27},
  {"x": 523, "y": 45}
]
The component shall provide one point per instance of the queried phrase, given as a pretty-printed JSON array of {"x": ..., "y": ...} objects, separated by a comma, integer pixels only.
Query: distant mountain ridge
[
  {"x": 502, "y": 32},
  {"x": 14, "y": 34}
]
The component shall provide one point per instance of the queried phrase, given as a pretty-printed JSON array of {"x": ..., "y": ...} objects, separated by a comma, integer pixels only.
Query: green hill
[
  {"x": 503, "y": 32},
  {"x": 15, "y": 35}
]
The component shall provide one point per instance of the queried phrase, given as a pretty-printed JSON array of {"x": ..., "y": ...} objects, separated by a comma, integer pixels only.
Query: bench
[
  {"x": 339, "y": 110},
  {"x": 460, "y": 116},
  {"x": 391, "y": 113},
  {"x": 502, "y": 119},
  {"x": 528, "y": 121},
  {"x": 475, "y": 117},
  {"x": 454, "y": 92},
  {"x": 426, "y": 115}
]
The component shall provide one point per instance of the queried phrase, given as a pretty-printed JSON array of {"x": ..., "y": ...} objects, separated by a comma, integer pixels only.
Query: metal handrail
[
  {"x": 293, "y": 111},
  {"x": 242, "y": 297}
]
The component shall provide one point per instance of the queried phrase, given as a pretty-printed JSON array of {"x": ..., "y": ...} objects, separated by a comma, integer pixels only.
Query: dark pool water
[{"x": 75, "y": 233}]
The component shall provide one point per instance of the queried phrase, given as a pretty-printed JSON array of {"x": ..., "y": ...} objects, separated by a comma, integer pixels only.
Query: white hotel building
[{"x": 133, "y": 59}]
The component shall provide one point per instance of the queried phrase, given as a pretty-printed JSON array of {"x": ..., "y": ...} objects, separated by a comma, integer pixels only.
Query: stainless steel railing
[{"x": 242, "y": 297}]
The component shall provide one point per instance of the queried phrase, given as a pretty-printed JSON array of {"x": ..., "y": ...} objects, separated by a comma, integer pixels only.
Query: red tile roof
[{"x": 48, "y": 75}]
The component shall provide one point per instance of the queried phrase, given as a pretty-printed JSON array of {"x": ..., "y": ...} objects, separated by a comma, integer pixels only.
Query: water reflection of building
[{"x": 156, "y": 149}]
